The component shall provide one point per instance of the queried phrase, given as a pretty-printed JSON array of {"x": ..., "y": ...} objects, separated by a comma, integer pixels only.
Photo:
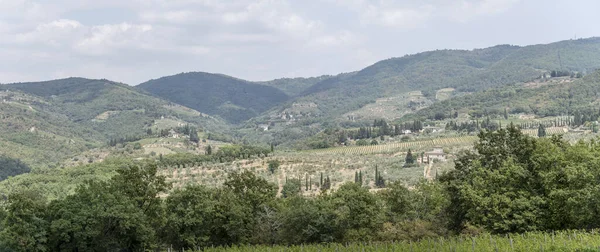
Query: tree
[
  {"x": 291, "y": 188},
  {"x": 123, "y": 213},
  {"x": 251, "y": 189},
  {"x": 194, "y": 135},
  {"x": 326, "y": 185},
  {"x": 189, "y": 217},
  {"x": 541, "y": 130},
  {"x": 358, "y": 215},
  {"x": 208, "y": 150},
  {"x": 379, "y": 180},
  {"x": 409, "y": 159},
  {"x": 498, "y": 180},
  {"x": 12, "y": 167},
  {"x": 24, "y": 227},
  {"x": 273, "y": 165}
]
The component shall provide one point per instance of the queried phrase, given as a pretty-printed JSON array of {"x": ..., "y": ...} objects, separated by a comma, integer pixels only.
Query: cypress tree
[
  {"x": 541, "y": 131},
  {"x": 321, "y": 181},
  {"x": 360, "y": 180},
  {"x": 306, "y": 183}
]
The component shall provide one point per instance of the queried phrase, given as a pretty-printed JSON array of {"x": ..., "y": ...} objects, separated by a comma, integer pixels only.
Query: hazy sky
[{"x": 133, "y": 41}]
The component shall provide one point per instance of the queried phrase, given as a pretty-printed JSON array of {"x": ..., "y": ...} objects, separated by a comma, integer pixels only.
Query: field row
[{"x": 400, "y": 146}]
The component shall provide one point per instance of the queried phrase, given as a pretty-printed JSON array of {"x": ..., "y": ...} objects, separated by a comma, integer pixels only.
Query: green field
[{"x": 537, "y": 241}]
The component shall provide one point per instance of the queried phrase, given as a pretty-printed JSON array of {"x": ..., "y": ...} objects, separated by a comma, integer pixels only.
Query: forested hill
[
  {"x": 542, "y": 97},
  {"x": 43, "y": 123},
  {"x": 466, "y": 71},
  {"x": 232, "y": 99}
]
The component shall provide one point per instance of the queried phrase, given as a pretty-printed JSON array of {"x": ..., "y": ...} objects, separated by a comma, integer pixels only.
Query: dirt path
[{"x": 427, "y": 170}]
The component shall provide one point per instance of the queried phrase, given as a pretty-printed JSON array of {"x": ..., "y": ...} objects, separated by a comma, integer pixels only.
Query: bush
[{"x": 362, "y": 142}]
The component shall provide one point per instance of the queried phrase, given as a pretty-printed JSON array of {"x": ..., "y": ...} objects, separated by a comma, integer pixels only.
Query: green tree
[
  {"x": 189, "y": 220},
  {"x": 541, "y": 131},
  {"x": 194, "y": 135},
  {"x": 409, "y": 159},
  {"x": 357, "y": 212},
  {"x": 25, "y": 226},
  {"x": 291, "y": 188},
  {"x": 208, "y": 150},
  {"x": 273, "y": 165}
]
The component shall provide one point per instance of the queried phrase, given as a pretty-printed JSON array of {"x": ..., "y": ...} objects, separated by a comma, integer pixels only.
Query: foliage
[
  {"x": 233, "y": 99},
  {"x": 541, "y": 184},
  {"x": 273, "y": 165},
  {"x": 11, "y": 167},
  {"x": 291, "y": 188}
]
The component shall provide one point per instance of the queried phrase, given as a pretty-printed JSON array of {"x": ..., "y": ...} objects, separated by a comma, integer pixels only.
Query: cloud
[
  {"x": 407, "y": 15},
  {"x": 404, "y": 18},
  {"x": 464, "y": 10},
  {"x": 103, "y": 39},
  {"x": 337, "y": 39},
  {"x": 133, "y": 40},
  {"x": 54, "y": 33}
]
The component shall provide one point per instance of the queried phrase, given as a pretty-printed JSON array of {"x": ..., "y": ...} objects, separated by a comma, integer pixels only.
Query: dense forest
[
  {"x": 509, "y": 183},
  {"x": 232, "y": 99}
]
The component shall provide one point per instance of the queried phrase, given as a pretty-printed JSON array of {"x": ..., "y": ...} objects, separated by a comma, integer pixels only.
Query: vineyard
[
  {"x": 556, "y": 241},
  {"x": 399, "y": 146},
  {"x": 549, "y": 131}
]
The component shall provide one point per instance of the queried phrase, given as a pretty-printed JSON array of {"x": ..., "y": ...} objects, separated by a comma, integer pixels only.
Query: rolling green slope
[
  {"x": 554, "y": 97},
  {"x": 232, "y": 99},
  {"x": 466, "y": 71},
  {"x": 44, "y": 123},
  {"x": 295, "y": 86}
]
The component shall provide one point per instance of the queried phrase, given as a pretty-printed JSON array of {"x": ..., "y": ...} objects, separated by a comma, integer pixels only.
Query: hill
[
  {"x": 465, "y": 71},
  {"x": 542, "y": 98},
  {"x": 295, "y": 86},
  {"x": 399, "y": 86},
  {"x": 232, "y": 99},
  {"x": 43, "y": 123}
]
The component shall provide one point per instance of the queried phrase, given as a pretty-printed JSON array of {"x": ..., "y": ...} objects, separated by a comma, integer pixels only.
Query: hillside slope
[
  {"x": 232, "y": 99},
  {"x": 466, "y": 71},
  {"x": 331, "y": 102},
  {"x": 552, "y": 97},
  {"x": 46, "y": 122}
]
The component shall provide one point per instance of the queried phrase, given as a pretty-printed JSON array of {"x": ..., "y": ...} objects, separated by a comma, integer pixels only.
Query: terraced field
[{"x": 400, "y": 146}]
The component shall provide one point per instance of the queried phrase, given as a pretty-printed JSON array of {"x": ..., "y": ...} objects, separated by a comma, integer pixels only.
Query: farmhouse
[{"x": 430, "y": 156}]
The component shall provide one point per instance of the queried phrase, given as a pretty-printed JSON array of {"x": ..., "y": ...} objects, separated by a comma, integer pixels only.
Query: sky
[{"x": 133, "y": 41}]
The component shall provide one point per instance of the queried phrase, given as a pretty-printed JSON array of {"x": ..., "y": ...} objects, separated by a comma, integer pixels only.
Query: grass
[{"x": 536, "y": 241}]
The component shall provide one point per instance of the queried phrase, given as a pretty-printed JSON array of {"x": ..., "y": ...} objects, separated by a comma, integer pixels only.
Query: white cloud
[
  {"x": 132, "y": 40},
  {"x": 337, "y": 39},
  {"x": 104, "y": 39},
  {"x": 404, "y": 18},
  {"x": 408, "y": 15},
  {"x": 464, "y": 10},
  {"x": 54, "y": 33}
]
